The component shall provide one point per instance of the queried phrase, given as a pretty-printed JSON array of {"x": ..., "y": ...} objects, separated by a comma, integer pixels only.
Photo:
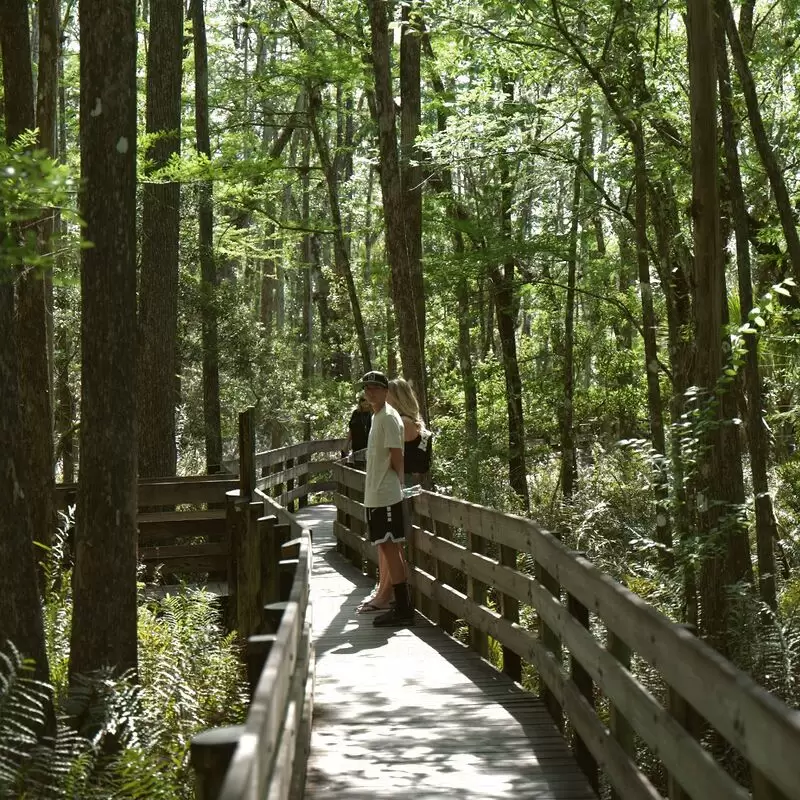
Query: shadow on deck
[{"x": 412, "y": 712}]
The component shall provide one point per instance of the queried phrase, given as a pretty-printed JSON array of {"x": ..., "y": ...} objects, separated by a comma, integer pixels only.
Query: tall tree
[
  {"x": 765, "y": 150},
  {"x": 158, "y": 288},
  {"x": 340, "y": 249},
  {"x": 20, "y": 609},
  {"x": 506, "y": 302},
  {"x": 569, "y": 468},
  {"x": 104, "y": 578},
  {"x": 757, "y": 433},
  {"x": 725, "y": 558},
  {"x": 403, "y": 283},
  {"x": 33, "y": 293},
  {"x": 208, "y": 268}
]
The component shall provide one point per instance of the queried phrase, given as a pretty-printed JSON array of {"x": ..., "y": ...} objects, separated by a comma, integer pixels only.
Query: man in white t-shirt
[{"x": 383, "y": 495}]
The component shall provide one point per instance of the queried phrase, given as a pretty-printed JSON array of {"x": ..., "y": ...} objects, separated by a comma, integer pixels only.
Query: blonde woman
[{"x": 416, "y": 459}]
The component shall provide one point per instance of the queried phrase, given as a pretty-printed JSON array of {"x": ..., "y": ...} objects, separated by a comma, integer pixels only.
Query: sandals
[{"x": 370, "y": 607}]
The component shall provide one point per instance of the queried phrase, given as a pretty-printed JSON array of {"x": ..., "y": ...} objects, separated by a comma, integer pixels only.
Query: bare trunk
[
  {"x": 33, "y": 292},
  {"x": 104, "y": 579},
  {"x": 725, "y": 557},
  {"x": 20, "y": 607},
  {"x": 410, "y": 157},
  {"x": 208, "y": 269},
  {"x": 757, "y": 435},
  {"x": 340, "y": 249},
  {"x": 507, "y": 308},
  {"x": 158, "y": 289},
  {"x": 403, "y": 280},
  {"x": 569, "y": 464}
]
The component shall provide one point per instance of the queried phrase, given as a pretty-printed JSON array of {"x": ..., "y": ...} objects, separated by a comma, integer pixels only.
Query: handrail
[
  {"x": 567, "y": 592},
  {"x": 270, "y": 571},
  {"x": 263, "y": 761}
]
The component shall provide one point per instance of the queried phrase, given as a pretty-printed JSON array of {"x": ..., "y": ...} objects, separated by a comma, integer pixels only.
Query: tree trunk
[
  {"x": 104, "y": 578},
  {"x": 410, "y": 156},
  {"x": 569, "y": 464},
  {"x": 158, "y": 288},
  {"x": 32, "y": 293},
  {"x": 306, "y": 259},
  {"x": 208, "y": 269},
  {"x": 765, "y": 150},
  {"x": 507, "y": 306},
  {"x": 654, "y": 404},
  {"x": 757, "y": 435},
  {"x": 403, "y": 281},
  {"x": 340, "y": 249},
  {"x": 725, "y": 557},
  {"x": 20, "y": 607}
]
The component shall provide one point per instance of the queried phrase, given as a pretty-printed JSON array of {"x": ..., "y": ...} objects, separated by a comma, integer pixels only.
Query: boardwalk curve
[{"x": 411, "y": 712}]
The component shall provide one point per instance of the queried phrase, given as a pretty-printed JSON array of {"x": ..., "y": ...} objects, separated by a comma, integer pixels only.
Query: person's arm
[
  {"x": 396, "y": 460},
  {"x": 347, "y": 446}
]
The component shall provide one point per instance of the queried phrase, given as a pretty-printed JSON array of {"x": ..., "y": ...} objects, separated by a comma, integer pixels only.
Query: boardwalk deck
[{"x": 414, "y": 714}]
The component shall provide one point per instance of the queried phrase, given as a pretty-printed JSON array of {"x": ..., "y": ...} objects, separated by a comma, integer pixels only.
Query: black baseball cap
[{"x": 376, "y": 378}]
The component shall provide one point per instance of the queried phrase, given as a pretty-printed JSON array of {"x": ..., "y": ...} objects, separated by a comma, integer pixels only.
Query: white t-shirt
[{"x": 382, "y": 484}]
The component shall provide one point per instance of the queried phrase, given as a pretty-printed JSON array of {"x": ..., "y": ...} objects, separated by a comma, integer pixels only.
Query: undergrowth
[{"x": 116, "y": 735}]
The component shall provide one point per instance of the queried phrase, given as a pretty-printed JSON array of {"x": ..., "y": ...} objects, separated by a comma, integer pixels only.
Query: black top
[
  {"x": 417, "y": 452},
  {"x": 360, "y": 423}
]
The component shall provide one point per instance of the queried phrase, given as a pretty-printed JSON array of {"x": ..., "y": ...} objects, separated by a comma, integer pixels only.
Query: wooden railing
[
  {"x": 241, "y": 531},
  {"x": 587, "y": 629},
  {"x": 271, "y": 561}
]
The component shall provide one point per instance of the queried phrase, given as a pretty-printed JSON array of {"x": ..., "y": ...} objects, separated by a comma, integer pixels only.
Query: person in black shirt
[{"x": 358, "y": 432}]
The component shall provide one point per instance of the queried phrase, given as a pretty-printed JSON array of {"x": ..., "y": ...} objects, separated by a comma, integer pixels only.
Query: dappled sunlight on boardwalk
[{"x": 412, "y": 713}]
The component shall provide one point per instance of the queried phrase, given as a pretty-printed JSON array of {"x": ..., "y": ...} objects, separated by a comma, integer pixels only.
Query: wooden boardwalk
[{"x": 411, "y": 713}]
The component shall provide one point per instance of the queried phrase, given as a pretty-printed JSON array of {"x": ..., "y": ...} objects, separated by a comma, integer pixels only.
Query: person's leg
[
  {"x": 383, "y": 594},
  {"x": 402, "y": 613}
]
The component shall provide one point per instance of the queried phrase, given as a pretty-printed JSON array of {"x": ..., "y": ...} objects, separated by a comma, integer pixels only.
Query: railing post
[
  {"x": 582, "y": 679},
  {"x": 210, "y": 755},
  {"x": 687, "y": 717},
  {"x": 552, "y": 642},
  {"x": 249, "y": 573},
  {"x": 509, "y": 607},
  {"x": 277, "y": 490},
  {"x": 290, "y": 484},
  {"x": 234, "y": 532},
  {"x": 247, "y": 453},
  {"x": 302, "y": 501},
  {"x": 341, "y": 515},
  {"x": 256, "y": 655},
  {"x": 270, "y": 559},
  {"x": 476, "y": 591},
  {"x": 443, "y": 574},
  {"x": 620, "y": 728}
]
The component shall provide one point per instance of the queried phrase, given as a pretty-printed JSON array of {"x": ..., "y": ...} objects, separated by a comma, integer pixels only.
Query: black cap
[{"x": 376, "y": 378}]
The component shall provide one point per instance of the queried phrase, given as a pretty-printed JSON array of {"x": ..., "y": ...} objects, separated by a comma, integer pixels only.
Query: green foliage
[
  {"x": 30, "y": 181},
  {"x": 118, "y": 736}
]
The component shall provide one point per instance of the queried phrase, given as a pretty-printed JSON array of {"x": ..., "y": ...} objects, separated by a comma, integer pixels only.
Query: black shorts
[{"x": 386, "y": 523}]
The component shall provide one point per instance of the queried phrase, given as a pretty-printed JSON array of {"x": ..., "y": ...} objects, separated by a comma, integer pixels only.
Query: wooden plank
[
  {"x": 185, "y": 492},
  {"x": 165, "y": 527},
  {"x": 182, "y": 551},
  {"x": 192, "y": 489}
]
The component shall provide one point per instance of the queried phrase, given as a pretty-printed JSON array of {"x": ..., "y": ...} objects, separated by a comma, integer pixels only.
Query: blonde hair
[{"x": 405, "y": 399}]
